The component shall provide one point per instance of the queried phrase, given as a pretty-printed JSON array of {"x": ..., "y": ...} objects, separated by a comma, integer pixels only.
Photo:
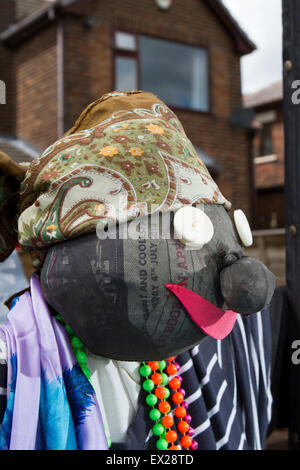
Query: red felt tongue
[{"x": 214, "y": 321}]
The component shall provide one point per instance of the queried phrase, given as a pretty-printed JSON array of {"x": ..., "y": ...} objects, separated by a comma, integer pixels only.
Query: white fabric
[{"x": 117, "y": 387}]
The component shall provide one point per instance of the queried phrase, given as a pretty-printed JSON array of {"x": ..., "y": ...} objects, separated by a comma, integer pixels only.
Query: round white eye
[
  {"x": 193, "y": 227},
  {"x": 243, "y": 228}
]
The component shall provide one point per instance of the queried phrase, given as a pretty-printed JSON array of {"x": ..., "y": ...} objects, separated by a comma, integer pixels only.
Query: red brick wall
[
  {"x": 36, "y": 88},
  {"x": 7, "y": 111},
  {"x": 271, "y": 174},
  {"x": 269, "y": 177},
  {"x": 89, "y": 66}
]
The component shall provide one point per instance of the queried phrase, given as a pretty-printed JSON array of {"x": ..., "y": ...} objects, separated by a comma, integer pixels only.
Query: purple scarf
[{"x": 50, "y": 403}]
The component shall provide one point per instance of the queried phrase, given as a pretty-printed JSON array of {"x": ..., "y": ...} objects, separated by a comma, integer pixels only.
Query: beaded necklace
[
  {"x": 172, "y": 427},
  {"x": 161, "y": 380}
]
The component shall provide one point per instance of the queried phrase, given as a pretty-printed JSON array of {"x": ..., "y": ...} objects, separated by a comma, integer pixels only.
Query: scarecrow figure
[{"x": 136, "y": 331}]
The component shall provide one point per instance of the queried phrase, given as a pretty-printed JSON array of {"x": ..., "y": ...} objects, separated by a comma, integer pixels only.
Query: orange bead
[
  {"x": 171, "y": 359},
  {"x": 167, "y": 421},
  {"x": 154, "y": 365},
  {"x": 177, "y": 397},
  {"x": 186, "y": 441},
  {"x": 183, "y": 426},
  {"x": 171, "y": 369},
  {"x": 174, "y": 383},
  {"x": 171, "y": 436},
  {"x": 160, "y": 392},
  {"x": 180, "y": 412},
  {"x": 174, "y": 448},
  {"x": 164, "y": 407},
  {"x": 156, "y": 378}
]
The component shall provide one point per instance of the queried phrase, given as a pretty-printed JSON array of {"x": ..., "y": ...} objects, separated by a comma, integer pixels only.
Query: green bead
[
  {"x": 86, "y": 372},
  {"x": 162, "y": 444},
  {"x": 59, "y": 318},
  {"x": 151, "y": 399},
  {"x": 158, "y": 429},
  {"x": 108, "y": 442},
  {"x": 167, "y": 393},
  {"x": 162, "y": 365},
  {"x": 148, "y": 385},
  {"x": 145, "y": 371},
  {"x": 68, "y": 330},
  {"x": 76, "y": 342},
  {"x": 154, "y": 414},
  {"x": 165, "y": 378},
  {"x": 81, "y": 357}
]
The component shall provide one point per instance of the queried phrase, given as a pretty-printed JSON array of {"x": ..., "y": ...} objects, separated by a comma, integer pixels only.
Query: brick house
[
  {"x": 268, "y": 156},
  {"x": 58, "y": 56}
]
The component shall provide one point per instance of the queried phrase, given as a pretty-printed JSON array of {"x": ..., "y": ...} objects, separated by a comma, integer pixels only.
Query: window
[
  {"x": 266, "y": 140},
  {"x": 126, "y": 73},
  {"x": 177, "y": 73}
]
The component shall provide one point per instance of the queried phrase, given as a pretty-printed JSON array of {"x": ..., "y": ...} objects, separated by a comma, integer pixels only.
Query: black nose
[
  {"x": 247, "y": 285},
  {"x": 227, "y": 259}
]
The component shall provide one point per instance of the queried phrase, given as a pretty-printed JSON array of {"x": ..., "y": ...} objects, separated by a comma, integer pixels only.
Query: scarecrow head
[{"x": 136, "y": 246}]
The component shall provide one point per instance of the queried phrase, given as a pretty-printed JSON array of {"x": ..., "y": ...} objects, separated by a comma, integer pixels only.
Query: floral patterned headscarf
[{"x": 126, "y": 156}]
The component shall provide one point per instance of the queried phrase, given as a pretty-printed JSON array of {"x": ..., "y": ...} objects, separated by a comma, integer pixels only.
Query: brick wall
[
  {"x": 89, "y": 74},
  {"x": 88, "y": 68},
  {"x": 271, "y": 174},
  {"x": 269, "y": 177},
  {"x": 7, "y": 111},
  {"x": 36, "y": 89}
]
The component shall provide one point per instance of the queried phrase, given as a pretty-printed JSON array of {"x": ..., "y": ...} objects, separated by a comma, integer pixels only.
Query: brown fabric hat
[{"x": 126, "y": 156}]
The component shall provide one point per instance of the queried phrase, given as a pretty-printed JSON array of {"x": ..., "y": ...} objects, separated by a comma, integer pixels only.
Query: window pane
[
  {"x": 176, "y": 73},
  {"x": 125, "y": 41},
  {"x": 267, "y": 144},
  {"x": 126, "y": 74}
]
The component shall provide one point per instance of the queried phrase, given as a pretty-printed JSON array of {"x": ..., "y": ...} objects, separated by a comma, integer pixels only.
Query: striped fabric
[
  {"x": 228, "y": 390},
  {"x": 3, "y": 375},
  {"x": 227, "y": 387}
]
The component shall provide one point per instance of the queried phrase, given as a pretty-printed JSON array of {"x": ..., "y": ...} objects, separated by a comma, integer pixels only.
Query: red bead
[
  {"x": 186, "y": 441},
  {"x": 154, "y": 365},
  {"x": 167, "y": 421},
  {"x": 171, "y": 369},
  {"x": 183, "y": 426},
  {"x": 156, "y": 378},
  {"x": 171, "y": 436},
  {"x": 171, "y": 359},
  {"x": 164, "y": 407},
  {"x": 174, "y": 383},
  {"x": 177, "y": 398},
  {"x": 180, "y": 412},
  {"x": 160, "y": 392},
  {"x": 174, "y": 448}
]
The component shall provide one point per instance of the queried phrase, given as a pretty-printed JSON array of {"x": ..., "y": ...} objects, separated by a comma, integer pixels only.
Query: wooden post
[{"x": 291, "y": 73}]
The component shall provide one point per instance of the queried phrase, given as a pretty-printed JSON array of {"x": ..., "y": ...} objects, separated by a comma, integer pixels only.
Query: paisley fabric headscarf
[{"x": 126, "y": 156}]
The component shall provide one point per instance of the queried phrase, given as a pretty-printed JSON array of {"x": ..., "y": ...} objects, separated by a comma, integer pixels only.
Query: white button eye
[
  {"x": 193, "y": 227},
  {"x": 243, "y": 228}
]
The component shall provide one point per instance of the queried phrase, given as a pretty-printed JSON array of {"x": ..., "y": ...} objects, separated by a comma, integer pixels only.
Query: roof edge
[
  {"x": 21, "y": 144},
  {"x": 44, "y": 16},
  {"x": 37, "y": 20},
  {"x": 244, "y": 45}
]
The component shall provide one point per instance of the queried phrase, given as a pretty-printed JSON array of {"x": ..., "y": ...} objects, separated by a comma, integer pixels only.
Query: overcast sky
[{"x": 261, "y": 20}]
